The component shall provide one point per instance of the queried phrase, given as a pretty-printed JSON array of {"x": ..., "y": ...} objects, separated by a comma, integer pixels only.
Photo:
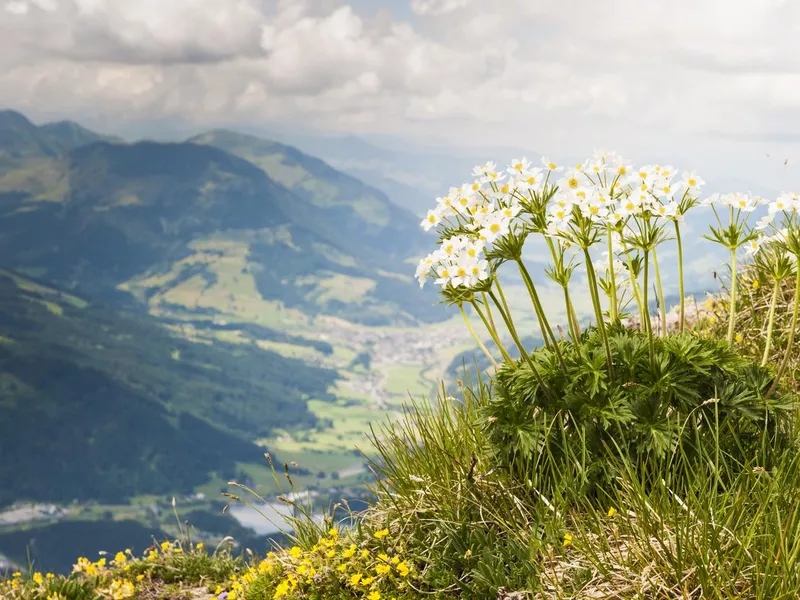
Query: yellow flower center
[{"x": 494, "y": 227}]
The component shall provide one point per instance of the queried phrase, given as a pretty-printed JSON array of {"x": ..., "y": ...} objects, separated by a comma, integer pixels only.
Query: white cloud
[
  {"x": 437, "y": 7},
  {"x": 704, "y": 80}
]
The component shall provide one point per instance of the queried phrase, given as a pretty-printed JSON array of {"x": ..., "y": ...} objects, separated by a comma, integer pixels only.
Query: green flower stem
[
  {"x": 572, "y": 318},
  {"x": 512, "y": 330},
  {"x": 598, "y": 311},
  {"x": 613, "y": 312},
  {"x": 574, "y": 327},
  {"x": 680, "y": 276},
  {"x": 537, "y": 306},
  {"x": 792, "y": 330},
  {"x": 734, "y": 278},
  {"x": 489, "y": 312},
  {"x": 771, "y": 321},
  {"x": 539, "y": 315},
  {"x": 476, "y": 337},
  {"x": 660, "y": 291},
  {"x": 636, "y": 294},
  {"x": 493, "y": 333},
  {"x": 648, "y": 323}
]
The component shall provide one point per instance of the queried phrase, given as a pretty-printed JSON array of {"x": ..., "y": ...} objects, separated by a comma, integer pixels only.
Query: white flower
[
  {"x": 594, "y": 210},
  {"x": 432, "y": 219},
  {"x": 444, "y": 272},
  {"x": 495, "y": 226},
  {"x": 784, "y": 202},
  {"x": 753, "y": 246},
  {"x": 631, "y": 205},
  {"x": 424, "y": 269},
  {"x": 531, "y": 179},
  {"x": 742, "y": 202},
  {"x": 669, "y": 210},
  {"x": 518, "y": 166},
  {"x": 662, "y": 188},
  {"x": 621, "y": 168},
  {"x": 465, "y": 202},
  {"x": 550, "y": 165},
  {"x": 765, "y": 221},
  {"x": 692, "y": 180},
  {"x": 480, "y": 171},
  {"x": 572, "y": 180},
  {"x": 666, "y": 172}
]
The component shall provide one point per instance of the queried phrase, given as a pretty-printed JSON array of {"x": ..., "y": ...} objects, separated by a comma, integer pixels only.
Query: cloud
[
  {"x": 140, "y": 32},
  {"x": 713, "y": 82},
  {"x": 437, "y": 7}
]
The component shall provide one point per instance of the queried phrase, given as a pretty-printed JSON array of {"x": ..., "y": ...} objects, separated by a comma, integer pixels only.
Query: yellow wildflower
[
  {"x": 282, "y": 589},
  {"x": 265, "y": 566},
  {"x": 331, "y": 553},
  {"x": 382, "y": 569},
  {"x": 342, "y": 568},
  {"x": 350, "y": 552},
  {"x": 200, "y": 546},
  {"x": 295, "y": 552},
  {"x": 38, "y": 578},
  {"x": 120, "y": 558},
  {"x": 140, "y": 576},
  {"x": 367, "y": 581},
  {"x": 374, "y": 595},
  {"x": 567, "y": 539},
  {"x": 395, "y": 560},
  {"x": 381, "y": 534},
  {"x": 365, "y": 553},
  {"x": 739, "y": 338},
  {"x": 333, "y": 532},
  {"x": 354, "y": 579},
  {"x": 612, "y": 511},
  {"x": 403, "y": 569},
  {"x": 165, "y": 546},
  {"x": 756, "y": 284}
]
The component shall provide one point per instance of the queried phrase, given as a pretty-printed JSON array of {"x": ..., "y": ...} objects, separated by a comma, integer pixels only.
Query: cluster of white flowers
[
  {"x": 605, "y": 188},
  {"x": 786, "y": 202},
  {"x": 737, "y": 200},
  {"x": 486, "y": 208},
  {"x": 608, "y": 189},
  {"x": 778, "y": 239},
  {"x": 457, "y": 262}
]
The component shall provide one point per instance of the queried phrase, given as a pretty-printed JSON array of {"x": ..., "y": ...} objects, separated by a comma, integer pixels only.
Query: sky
[{"x": 706, "y": 84}]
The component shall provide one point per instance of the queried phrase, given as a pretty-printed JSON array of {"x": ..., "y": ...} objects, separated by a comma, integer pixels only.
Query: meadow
[{"x": 652, "y": 453}]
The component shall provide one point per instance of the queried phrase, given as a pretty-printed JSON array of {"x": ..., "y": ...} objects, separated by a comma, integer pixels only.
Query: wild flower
[{"x": 604, "y": 202}]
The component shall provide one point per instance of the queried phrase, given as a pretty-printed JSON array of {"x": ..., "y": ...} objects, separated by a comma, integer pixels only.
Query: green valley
[{"x": 172, "y": 311}]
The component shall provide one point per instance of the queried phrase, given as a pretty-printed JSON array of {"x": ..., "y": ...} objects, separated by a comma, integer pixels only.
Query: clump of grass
[{"x": 163, "y": 567}]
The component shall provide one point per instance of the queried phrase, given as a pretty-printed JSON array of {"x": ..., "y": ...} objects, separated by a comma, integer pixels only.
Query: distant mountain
[
  {"x": 19, "y": 138},
  {"x": 412, "y": 175},
  {"x": 358, "y": 209},
  {"x": 169, "y": 222},
  {"x": 101, "y": 404},
  {"x": 70, "y": 135}
]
